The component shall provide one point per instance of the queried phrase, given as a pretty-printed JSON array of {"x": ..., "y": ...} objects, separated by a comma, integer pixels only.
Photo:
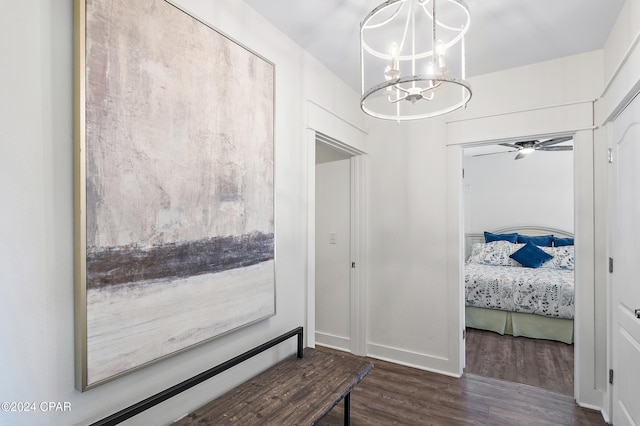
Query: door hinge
[
  {"x": 464, "y": 334},
  {"x": 610, "y": 376},
  {"x": 462, "y": 173},
  {"x": 353, "y": 264},
  {"x": 611, "y": 265},
  {"x": 610, "y": 155}
]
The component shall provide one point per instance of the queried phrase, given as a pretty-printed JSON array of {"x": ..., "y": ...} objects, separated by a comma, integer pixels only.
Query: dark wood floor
[
  {"x": 541, "y": 363},
  {"x": 393, "y": 394}
]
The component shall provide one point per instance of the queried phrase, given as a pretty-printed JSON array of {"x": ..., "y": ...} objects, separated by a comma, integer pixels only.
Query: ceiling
[{"x": 503, "y": 33}]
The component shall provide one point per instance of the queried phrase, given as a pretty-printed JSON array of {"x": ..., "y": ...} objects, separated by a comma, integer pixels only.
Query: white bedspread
[{"x": 542, "y": 291}]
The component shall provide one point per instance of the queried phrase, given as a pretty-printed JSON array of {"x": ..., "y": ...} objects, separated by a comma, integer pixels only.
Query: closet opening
[
  {"x": 518, "y": 271},
  {"x": 337, "y": 245}
]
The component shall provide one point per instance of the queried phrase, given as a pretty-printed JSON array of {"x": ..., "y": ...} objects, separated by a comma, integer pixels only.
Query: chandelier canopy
[{"x": 412, "y": 59}]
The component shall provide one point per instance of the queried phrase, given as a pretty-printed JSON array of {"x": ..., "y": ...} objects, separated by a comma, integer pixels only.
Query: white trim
[
  {"x": 323, "y": 120},
  {"x": 621, "y": 65},
  {"x": 522, "y": 110},
  {"x": 310, "y": 334},
  {"x": 332, "y": 341},
  {"x": 326, "y": 127},
  {"x": 623, "y": 85},
  {"x": 624, "y": 103},
  {"x": 359, "y": 232},
  {"x": 455, "y": 260},
  {"x": 570, "y": 118},
  {"x": 558, "y": 120},
  {"x": 585, "y": 377},
  {"x": 410, "y": 359}
]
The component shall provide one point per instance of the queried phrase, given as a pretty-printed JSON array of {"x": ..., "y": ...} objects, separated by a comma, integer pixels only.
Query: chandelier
[{"x": 412, "y": 59}]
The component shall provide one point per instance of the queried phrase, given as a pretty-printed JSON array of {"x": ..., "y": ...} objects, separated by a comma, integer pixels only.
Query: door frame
[
  {"x": 616, "y": 131},
  {"x": 576, "y": 119},
  {"x": 350, "y": 139}
]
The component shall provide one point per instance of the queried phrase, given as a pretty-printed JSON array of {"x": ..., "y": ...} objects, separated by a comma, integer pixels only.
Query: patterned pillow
[
  {"x": 494, "y": 253},
  {"x": 563, "y": 257}
]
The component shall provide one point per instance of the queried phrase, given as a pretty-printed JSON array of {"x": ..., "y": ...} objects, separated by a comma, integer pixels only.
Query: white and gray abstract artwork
[{"x": 179, "y": 185}]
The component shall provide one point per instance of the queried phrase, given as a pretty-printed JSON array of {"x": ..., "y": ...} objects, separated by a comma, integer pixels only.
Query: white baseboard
[
  {"x": 333, "y": 341},
  {"x": 420, "y": 361}
]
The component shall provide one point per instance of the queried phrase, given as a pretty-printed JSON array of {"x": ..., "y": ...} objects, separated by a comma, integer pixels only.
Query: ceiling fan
[{"x": 525, "y": 148}]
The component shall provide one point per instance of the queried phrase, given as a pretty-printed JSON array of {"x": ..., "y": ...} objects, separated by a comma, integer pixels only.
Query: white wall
[
  {"x": 36, "y": 253},
  {"x": 333, "y": 261},
  {"x": 408, "y": 296},
  {"x": 411, "y": 305},
  {"x": 536, "y": 190}
]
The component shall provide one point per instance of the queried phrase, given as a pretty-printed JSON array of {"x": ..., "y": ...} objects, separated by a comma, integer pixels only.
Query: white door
[{"x": 625, "y": 248}]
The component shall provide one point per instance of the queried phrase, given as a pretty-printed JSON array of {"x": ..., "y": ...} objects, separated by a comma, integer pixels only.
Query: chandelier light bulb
[
  {"x": 441, "y": 50},
  {"x": 395, "y": 64},
  {"x": 430, "y": 68}
]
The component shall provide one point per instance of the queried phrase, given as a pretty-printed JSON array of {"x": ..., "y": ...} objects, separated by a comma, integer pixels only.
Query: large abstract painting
[{"x": 174, "y": 185}]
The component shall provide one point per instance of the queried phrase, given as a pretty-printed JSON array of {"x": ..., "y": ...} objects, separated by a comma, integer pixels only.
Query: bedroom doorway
[{"x": 532, "y": 194}]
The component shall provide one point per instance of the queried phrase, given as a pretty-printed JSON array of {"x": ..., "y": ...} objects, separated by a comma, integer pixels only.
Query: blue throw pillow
[
  {"x": 531, "y": 256},
  {"x": 559, "y": 242},
  {"x": 539, "y": 240},
  {"x": 489, "y": 237}
]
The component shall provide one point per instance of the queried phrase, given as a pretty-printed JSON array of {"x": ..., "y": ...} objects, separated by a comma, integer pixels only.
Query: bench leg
[{"x": 347, "y": 409}]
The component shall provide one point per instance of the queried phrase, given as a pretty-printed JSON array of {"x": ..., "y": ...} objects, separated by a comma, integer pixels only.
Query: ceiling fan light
[{"x": 527, "y": 150}]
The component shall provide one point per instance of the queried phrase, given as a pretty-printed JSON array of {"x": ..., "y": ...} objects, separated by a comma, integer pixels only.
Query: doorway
[
  {"x": 333, "y": 246},
  {"x": 340, "y": 306},
  {"x": 530, "y": 193},
  {"x": 589, "y": 324}
]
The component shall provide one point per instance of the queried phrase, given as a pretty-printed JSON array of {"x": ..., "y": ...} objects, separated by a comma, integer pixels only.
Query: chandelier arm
[
  {"x": 398, "y": 99},
  {"x": 406, "y": 29},
  {"x": 440, "y": 23},
  {"x": 460, "y": 30},
  {"x": 432, "y": 88},
  {"x": 463, "y": 59},
  {"x": 402, "y": 89},
  {"x": 382, "y": 24}
]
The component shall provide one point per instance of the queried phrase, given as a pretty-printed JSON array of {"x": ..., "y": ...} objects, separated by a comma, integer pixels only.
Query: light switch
[{"x": 332, "y": 237}]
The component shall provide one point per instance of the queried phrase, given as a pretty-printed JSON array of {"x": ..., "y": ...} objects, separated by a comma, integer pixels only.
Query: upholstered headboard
[{"x": 532, "y": 230}]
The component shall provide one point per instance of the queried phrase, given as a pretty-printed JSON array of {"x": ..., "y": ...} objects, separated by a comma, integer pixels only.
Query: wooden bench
[{"x": 296, "y": 391}]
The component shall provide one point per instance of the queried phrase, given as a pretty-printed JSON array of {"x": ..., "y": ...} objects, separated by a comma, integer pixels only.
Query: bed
[{"x": 534, "y": 298}]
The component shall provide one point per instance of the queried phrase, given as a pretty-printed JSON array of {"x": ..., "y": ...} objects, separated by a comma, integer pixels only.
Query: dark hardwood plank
[
  {"x": 294, "y": 391},
  {"x": 542, "y": 363},
  {"x": 393, "y": 394}
]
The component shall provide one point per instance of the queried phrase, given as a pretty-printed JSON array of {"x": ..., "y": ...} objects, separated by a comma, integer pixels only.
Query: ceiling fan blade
[
  {"x": 522, "y": 155},
  {"x": 555, "y": 141},
  {"x": 493, "y": 153},
  {"x": 510, "y": 145},
  {"x": 555, "y": 148}
]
